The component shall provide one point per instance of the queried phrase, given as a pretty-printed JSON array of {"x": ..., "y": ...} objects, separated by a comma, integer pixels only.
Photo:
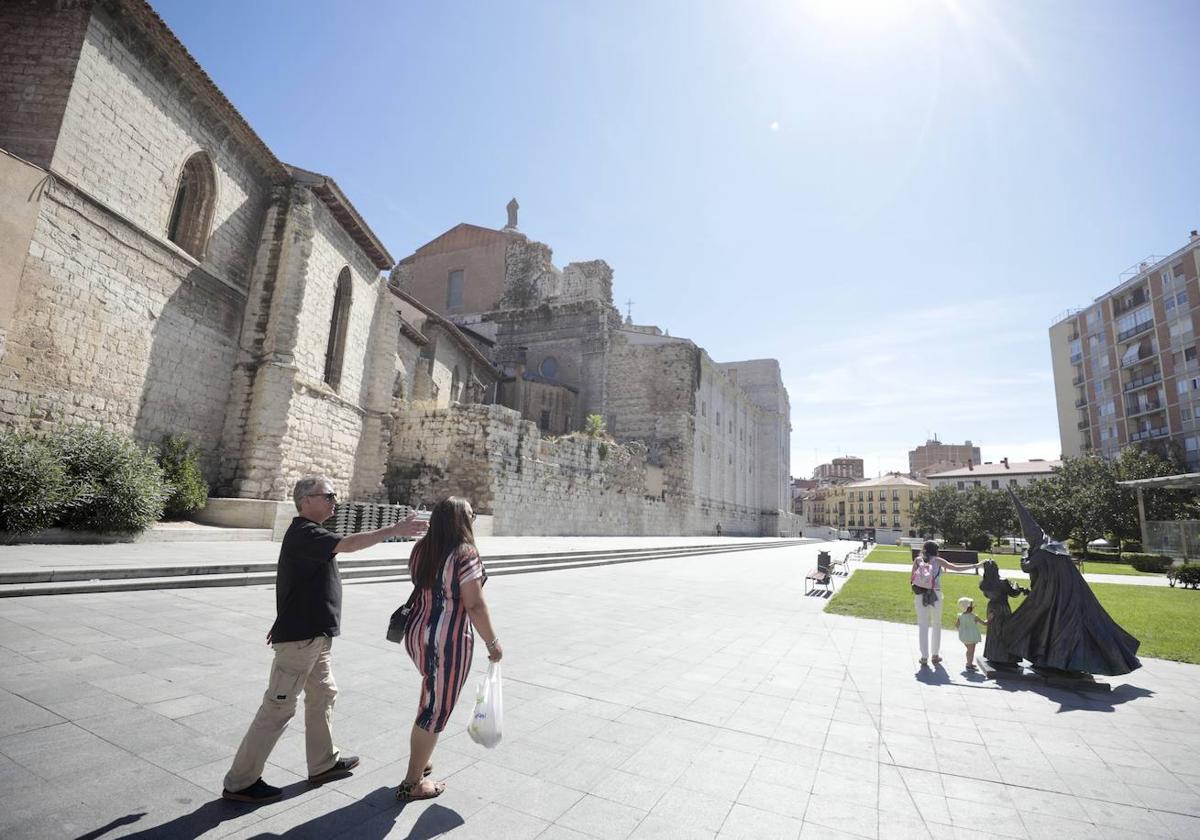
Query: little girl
[{"x": 968, "y": 629}]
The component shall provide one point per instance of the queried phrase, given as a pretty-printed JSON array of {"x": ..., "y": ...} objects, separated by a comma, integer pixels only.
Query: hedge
[
  {"x": 1148, "y": 562},
  {"x": 82, "y": 479}
]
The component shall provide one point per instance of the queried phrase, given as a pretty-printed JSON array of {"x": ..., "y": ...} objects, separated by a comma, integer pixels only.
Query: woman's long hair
[{"x": 449, "y": 527}]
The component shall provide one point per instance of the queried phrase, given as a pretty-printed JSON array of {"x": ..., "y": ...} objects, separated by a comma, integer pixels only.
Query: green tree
[
  {"x": 1079, "y": 501},
  {"x": 937, "y": 511}
]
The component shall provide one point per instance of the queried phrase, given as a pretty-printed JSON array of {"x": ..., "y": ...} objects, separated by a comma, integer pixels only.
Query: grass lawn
[
  {"x": 898, "y": 555},
  {"x": 1163, "y": 619}
]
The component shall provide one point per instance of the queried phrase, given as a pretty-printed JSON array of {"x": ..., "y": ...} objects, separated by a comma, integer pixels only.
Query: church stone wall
[
  {"x": 114, "y": 328},
  {"x": 39, "y": 48},
  {"x": 130, "y": 124}
]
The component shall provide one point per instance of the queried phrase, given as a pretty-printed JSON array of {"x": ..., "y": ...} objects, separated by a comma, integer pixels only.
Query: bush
[
  {"x": 33, "y": 484},
  {"x": 116, "y": 486},
  {"x": 1148, "y": 562},
  {"x": 1188, "y": 576},
  {"x": 180, "y": 465}
]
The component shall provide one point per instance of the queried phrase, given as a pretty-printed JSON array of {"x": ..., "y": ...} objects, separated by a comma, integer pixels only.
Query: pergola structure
[{"x": 1180, "y": 537}]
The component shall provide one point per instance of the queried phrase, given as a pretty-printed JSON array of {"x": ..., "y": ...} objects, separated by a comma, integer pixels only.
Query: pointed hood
[{"x": 1032, "y": 532}]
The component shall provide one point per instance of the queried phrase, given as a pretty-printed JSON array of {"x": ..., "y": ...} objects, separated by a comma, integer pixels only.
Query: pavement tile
[
  {"x": 690, "y": 809},
  {"x": 20, "y": 715},
  {"x": 746, "y": 823},
  {"x": 736, "y": 726},
  {"x": 602, "y": 818},
  {"x": 779, "y": 799},
  {"x": 852, "y": 818}
]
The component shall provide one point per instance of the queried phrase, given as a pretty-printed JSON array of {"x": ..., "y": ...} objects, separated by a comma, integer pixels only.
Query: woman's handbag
[
  {"x": 399, "y": 620},
  {"x": 488, "y": 714}
]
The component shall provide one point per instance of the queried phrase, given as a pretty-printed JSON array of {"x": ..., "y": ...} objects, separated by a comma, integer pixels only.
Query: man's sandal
[
  {"x": 428, "y": 769},
  {"x": 407, "y": 792}
]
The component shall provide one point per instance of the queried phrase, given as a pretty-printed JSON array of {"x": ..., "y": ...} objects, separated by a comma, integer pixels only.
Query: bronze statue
[
  {"x": 1061, "y": 626},
  {"x": 998, "y": 590}
]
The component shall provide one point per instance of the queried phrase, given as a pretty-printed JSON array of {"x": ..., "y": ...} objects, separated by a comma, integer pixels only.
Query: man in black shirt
[{"x": 308, "y": 611}]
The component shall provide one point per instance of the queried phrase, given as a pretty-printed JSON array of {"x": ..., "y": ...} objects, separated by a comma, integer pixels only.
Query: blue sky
[{"x": 895, "y": 199}]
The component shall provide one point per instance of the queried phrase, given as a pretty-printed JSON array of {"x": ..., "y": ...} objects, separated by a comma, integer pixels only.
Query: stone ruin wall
[{"x": 536, "y": 486}]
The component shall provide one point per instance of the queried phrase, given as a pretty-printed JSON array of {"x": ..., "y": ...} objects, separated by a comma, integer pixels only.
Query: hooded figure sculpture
[{"x": 1061, "y": 624}]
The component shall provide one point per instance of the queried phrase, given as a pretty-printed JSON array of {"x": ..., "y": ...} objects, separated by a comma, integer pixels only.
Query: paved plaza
[{"x": 693, "y": 697}]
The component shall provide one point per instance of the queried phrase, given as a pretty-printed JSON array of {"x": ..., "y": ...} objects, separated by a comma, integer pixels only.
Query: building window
[
  {"x": 962, "y": 485},
  {"x": 455, "y": 385},
  {"x": 978, "y": 484},
  {"x": 870, "y": 496},
  {"x": 549, "y": 367},
  {"x": 339, "y": 324},
  {"x": 1012, "y": 482},
  {"x": 544, "y": 421},
  {"x": 454, "y": 290},
  {"x": 703, "y": 408},
  {"x": 995, "y": 484},
  {"x": 192, "y": 212}
]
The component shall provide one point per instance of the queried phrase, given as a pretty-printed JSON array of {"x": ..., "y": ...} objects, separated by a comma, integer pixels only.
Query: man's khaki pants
[{"x": 298, "y": 666}]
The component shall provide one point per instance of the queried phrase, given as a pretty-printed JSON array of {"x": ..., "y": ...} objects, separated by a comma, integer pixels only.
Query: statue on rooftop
[
  {"x": 1061, "y": 626},
  {"x": 512, "y": 207}
]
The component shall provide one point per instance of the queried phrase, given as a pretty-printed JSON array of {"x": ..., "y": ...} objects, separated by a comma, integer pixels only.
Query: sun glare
[{"x": 866, "y": 12}]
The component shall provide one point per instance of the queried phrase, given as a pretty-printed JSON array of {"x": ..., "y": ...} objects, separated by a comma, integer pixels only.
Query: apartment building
[
  {"x": 933, "y": 456},
  {"x": 876, "y": 508},
  {"x": 846, "y": 468},
  {"x": 1125, "y": 367}
]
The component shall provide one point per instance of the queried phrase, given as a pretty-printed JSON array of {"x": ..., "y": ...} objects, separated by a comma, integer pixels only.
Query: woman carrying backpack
[{"x": 926, "y": 581}]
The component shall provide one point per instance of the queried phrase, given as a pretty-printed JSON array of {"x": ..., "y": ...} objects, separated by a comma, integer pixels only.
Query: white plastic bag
[{"x": 488, "y": 716}]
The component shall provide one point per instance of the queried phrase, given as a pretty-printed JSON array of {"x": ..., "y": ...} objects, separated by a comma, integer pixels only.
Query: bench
[
  {"x": 820, "y": 576},
  {"x": 844, "y": 563},
  {"x": 958, "y": 556}
]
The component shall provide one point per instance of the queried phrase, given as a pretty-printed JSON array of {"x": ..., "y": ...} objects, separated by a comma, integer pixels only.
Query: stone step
[
  {"x": 364, "y": 571},
  {"x": 345, "y": 563}
]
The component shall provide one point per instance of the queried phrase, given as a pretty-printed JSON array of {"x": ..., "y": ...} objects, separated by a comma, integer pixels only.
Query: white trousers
[{"x": 929, "y": 618}]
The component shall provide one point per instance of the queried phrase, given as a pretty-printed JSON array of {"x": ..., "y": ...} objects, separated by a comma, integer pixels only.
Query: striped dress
[{"x": 440, "y": 639}]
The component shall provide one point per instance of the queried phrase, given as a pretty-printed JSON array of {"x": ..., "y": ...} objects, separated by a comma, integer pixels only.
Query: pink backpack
[{"x": 923, "y": 576}]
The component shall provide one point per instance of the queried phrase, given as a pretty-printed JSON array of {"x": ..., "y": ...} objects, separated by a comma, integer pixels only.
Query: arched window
[
  {"x": 339, "y": 325},
  {"x": 191, "y": 215},
  {"x": 455, "y": 382}
]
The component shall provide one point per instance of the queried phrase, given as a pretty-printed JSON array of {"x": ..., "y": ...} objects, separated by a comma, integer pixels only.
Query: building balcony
[
  {"x": 1074, "y": 336},
  {"x": 1136, "y": 298},
  {"x": 1149, "y": 434},
  {"x": 1081, "y": 402},
  {"x": 1142, "y": 381},
  {"x": 1135, "y": 330},
  {"x": 1083, "y": 424},
  {"x": 1141, "y": 357},
  {"x": 1132, "y": 411},
  {"x": 1076, "y": 358},
  {"x": 1078, "y": 380}
]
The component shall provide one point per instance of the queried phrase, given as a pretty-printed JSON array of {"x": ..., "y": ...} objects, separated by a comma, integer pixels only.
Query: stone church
[{"x": 162, "y": 272}]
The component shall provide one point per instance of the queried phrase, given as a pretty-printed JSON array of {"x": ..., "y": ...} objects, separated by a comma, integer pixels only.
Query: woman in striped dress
[{"x": 440, "y": 638}]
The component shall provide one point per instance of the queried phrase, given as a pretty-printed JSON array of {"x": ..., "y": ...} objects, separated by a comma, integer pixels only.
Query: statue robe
[{"x": 1062, "y": 625}]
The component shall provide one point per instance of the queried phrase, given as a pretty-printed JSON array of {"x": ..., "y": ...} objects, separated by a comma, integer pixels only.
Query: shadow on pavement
[
  {"x": 1084, "y": 701},
  {"x": 932, "y": 675},
  {"x": 128, "y": 819},
  {"x": 371, "y": 818}
]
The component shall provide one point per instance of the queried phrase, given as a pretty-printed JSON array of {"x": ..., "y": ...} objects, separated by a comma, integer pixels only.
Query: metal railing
[
  {"x": 1142, "y": 381},
  {"x": 1178, "y": 539},
  {"x": 1083, "y": 424},
  {"x": 1136, "y": 329},
  {"x": 1148, "y": 434},
  {"x": 1078, "y": 380},
  {"x": 1137, "y": 410}
]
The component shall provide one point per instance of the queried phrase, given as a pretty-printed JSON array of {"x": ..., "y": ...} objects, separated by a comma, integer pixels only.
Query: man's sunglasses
[{"x": 329, "y": 497}]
